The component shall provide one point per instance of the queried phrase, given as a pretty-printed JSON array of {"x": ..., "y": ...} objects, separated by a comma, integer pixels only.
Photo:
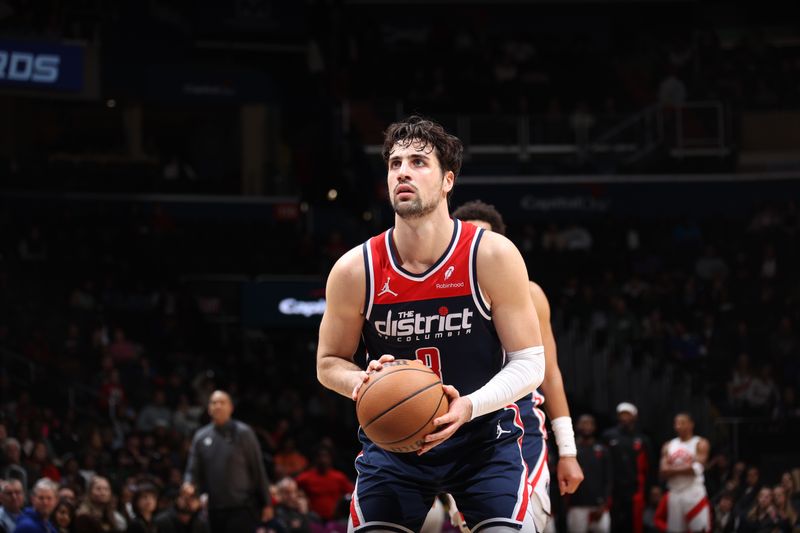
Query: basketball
[{"x": 397, "y": 406}]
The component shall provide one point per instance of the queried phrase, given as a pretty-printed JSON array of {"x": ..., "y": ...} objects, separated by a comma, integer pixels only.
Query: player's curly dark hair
[
  {"x": 478, "y": 210},
  {"x": 432, "y": 137}
]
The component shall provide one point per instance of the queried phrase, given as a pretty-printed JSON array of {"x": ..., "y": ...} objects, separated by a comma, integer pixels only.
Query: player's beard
[{"x": 415, "y": 208}]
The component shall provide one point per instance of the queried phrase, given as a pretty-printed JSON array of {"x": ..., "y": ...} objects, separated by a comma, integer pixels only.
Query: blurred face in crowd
[
  {"x": 62, "y": 516},
  {"x": 12, "y": 452},
  {"x": 585, "y": 426},
  {"x": 66, "y": 493},
  {"x": 779, "y": 496},
  {"x": 220, "y": 407},
  {"x": 725, "y": 504},
  {"x": 147, "y": 503},
  {"x": 13, "y": 496},
  {"x": 416, "y": 182},
  {"x": 764, "y": 498},
  {"x": 100, "y": 491},
  {"x": 787, "y": 483},
  {"x": 655, "y": 495},
  {"x": 752, "y": 476},
  {"x": 684, "y": 426},
  {"x": 44, "y": 501}
]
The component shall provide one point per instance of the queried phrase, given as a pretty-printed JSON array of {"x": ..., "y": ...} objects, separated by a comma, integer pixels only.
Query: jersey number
[{"x": 431, "y": 358}]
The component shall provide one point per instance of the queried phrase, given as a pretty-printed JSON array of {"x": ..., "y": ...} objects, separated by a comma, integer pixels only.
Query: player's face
[
  {"x": 416, "y": 182},
  {"x": 683, "y": 425},
  {"x": 481, "y": 224}
]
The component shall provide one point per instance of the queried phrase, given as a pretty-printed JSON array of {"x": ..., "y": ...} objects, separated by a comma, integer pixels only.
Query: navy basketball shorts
[{"x": 482, "y": 466}]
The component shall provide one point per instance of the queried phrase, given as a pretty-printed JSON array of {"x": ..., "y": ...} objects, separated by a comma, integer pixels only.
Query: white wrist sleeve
[
  {"x": 565, "y": 436},
  {"x": 523, "y": 372}
]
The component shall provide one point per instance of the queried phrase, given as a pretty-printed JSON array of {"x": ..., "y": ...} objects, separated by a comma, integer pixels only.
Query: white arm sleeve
[{"x": 523, "y": 372}]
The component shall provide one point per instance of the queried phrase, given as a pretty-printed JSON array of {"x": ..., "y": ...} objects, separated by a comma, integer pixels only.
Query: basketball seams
[
  {"x": 401, "y": 402},
  {"x": 421, "y": 427},
  {"x": 377, "y": 379}
]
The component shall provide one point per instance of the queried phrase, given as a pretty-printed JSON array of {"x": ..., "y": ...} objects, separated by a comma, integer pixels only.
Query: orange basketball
[{"x": 398, "y": 404}]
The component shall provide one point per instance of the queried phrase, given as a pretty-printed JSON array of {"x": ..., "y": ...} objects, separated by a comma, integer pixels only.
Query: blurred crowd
[{"x": 109, "y": 360}]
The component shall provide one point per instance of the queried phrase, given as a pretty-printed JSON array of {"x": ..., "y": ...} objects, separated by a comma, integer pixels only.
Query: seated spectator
[
  {"x": 786, "y": 511},
  {"x": 154, "y": 412},
  {"x": 748, "y": 492},
  {"x": 12, "y": 500},
  {"x": 14, "y": 468},
  {"x": 183, "y": 516},
  {"x": 290, "y": 459},
  {"x": 63, "y": 517},
  {"x": 790, "y": 488},
  {"x": 724, "y": 518},
  {"x": 40, "y": 465},
  {"x": 762, "y": 516},
  {"x": 36, "y": 518},
  {"x": 292, "y": 509},
  {"x": 96, "y": 513},
  {"x": 145, "y": 502},
  {"x": 324, "y": 485}
]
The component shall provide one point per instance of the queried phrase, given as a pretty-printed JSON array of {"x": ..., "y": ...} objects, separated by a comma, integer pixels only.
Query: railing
[{"x": 694, "y": 129}]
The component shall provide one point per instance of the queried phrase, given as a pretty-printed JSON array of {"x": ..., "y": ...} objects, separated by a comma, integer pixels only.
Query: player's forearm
[
  {"x": 523, "y": 372},
  {"x": 338, "y": 374},
  {"x": 552, "y": 387}
]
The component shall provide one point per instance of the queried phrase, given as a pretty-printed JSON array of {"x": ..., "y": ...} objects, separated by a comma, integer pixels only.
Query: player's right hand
[{"x": 373, "y": 366}]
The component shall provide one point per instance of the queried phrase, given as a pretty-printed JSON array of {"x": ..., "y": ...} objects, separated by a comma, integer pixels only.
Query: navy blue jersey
[{"x": 438, "y": 316}]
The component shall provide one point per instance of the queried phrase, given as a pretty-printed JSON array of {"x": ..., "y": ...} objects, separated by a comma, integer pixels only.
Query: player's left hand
[
  {"x": 570, "y": 475},
  {"x": 460, "y": 412}
]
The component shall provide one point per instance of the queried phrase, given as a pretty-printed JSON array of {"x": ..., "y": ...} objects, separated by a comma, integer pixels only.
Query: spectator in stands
[
  {"x": 96, "y": 513},
  {"x": 225, "y": 462},
  {"x": 749, "y": 490},
  {"x": 650, "y": 510},
  {"x": 630, "y": 461},
  {"x": 14, "y": 468},
  {"x": 790, "y": 488},
  {"x": 786, "y": 511},
  {"x": 67, "y": 493},
  {"x": 36, "y": 518},
  {"x": 13, "y": 500},
  {"x": 724, "y": 517},
  {"x": 63, "y": 517},
  {"x": 183, "y": 516},
  {"x": 762, "y": 514},
  {"x": 290, "y": 459},
  {"x": 292, "y": 509},
  {"x": 145, "y": 501},
  {"x": 324, "y": 485},
  {"x": 154, "y": 413},
  {"x": 588, "y": 505},
  {"x": 40, "y": 465},
  {"x": 763, "y": 395},
  {"x": 710, "y": 265}
]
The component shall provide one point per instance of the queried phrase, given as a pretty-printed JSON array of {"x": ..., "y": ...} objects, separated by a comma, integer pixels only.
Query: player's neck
[
  {"x": 687, "y": 439},
  {"x": 420, "y": 242}
]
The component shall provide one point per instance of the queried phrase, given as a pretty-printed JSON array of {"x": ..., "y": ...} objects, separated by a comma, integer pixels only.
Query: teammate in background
[
  {"x": 588, "y": 506},
  {"x": 630, "y": 460},
  {"x": 450, "y": 294},
  {"x": 552, "y": 388},
  {"x": 683, "y": 460}
]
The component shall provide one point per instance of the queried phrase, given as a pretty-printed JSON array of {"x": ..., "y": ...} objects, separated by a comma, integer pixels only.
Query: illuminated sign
[{"x": 41, "y": 65}]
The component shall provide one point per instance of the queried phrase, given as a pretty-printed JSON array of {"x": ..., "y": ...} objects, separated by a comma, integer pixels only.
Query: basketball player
[
  {"x": 569, "y": 471},
  {"x": 454, "y": 296},
  {"x": 682, "y": 462}
]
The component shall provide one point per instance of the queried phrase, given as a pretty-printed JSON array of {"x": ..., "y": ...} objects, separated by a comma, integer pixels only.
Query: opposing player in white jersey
[{"x": 683, "y": 460}]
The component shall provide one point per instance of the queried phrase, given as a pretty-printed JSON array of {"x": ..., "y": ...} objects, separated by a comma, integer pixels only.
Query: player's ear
[{"x": 448, "y": 181}]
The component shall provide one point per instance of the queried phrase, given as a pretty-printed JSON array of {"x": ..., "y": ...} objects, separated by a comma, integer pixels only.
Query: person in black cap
[{"x": 630, "y": 460}]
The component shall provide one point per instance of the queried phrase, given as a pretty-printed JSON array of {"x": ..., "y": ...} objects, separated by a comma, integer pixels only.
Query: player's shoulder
[
  {"x": 495, "y": 245},
  {"x": 349, "y": 267}
]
